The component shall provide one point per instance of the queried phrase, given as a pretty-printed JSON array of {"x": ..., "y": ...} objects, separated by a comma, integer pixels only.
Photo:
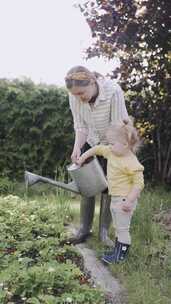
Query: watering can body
[{"x": 88, "y": 180}]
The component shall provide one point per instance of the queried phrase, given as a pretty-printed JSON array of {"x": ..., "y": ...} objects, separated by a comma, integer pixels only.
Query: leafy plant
[
  {"x": 6, "y": 185},
  {"x": 34, "y": 267}
]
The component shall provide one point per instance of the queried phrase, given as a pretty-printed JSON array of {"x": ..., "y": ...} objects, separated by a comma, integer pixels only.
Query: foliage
[
  {"x": 35, "y": 128},
  {"x": 6, "y": 186},
  {"x": 138, "y": 32},
  {"x": 34, "y": 267}
]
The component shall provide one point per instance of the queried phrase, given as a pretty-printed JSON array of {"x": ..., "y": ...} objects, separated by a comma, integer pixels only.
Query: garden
[
  {"x": 36, "y": 134},
  {"x": 36, "y": 267}
]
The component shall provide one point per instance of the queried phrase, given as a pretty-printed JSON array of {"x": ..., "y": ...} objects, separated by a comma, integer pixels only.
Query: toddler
[{"x": 125, "y": 182}]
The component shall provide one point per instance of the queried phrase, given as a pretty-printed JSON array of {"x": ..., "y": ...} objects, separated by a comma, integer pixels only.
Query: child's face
[
  {"x": 119, "y": 148},
  {"x": 118, "y": 144}
]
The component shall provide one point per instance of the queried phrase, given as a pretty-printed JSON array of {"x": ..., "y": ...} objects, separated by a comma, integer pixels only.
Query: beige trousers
[{"x": 121, "y": 219}]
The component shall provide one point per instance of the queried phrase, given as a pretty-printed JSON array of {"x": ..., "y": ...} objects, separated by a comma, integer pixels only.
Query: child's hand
[{"x": 127, "y": 206}]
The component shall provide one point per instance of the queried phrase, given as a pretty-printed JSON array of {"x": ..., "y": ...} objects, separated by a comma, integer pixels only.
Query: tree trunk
[
  {"x": 166, "y": 163},
  {"x": 159, "y": 153}
]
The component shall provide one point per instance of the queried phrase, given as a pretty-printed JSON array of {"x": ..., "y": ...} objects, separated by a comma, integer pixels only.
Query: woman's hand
[
  {"x": 80, "y": 140},
  {"x": 75, "y": 155},
  {"x": 80, "y": 161}
]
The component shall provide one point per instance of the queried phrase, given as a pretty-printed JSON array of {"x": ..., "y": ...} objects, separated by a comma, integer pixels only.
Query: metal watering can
[{"x": 88, "y": 180}]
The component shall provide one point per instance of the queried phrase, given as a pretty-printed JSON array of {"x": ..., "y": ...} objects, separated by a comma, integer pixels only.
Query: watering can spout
[{"x": 31, "y": 179}]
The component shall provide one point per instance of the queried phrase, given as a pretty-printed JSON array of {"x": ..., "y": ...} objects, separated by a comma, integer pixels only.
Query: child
[{"x": 125, "y": 182}]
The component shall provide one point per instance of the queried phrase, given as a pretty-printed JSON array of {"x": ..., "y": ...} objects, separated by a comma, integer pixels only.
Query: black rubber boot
[
  {"x": 105, "y": 219},
  {"x": 87, "y": 207}
]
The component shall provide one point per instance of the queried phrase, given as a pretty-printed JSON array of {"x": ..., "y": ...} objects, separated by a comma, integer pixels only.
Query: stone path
[{"x": 101, "y": 275}]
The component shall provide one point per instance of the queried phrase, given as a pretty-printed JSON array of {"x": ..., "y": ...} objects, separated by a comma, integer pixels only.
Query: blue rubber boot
[
  {"x": 119, "y": 253},
  {"x": 111, "y": 250}
]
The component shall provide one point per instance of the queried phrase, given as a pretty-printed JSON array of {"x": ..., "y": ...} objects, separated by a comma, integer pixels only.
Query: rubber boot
[
  {"x": 105, "y": 220},
  {"x": 87, "y": 207},
  {"x": 111, "y": 250},
  {"x": 119, "y": 253}
]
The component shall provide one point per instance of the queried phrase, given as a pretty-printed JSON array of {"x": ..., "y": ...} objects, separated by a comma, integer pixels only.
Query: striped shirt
[{"x": 108, "y": 108}]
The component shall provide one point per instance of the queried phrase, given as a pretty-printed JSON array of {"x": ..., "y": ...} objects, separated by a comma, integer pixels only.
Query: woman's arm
[
  {"x": 80, "y": 140},
  {"x": 81, "y": 130}
]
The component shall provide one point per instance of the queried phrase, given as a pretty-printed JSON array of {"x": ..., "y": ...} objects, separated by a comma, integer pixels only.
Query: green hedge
[{"x": 36, "y": 129}]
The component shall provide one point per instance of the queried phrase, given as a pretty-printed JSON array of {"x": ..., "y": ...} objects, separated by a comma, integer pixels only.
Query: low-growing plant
[
  {"x": 6, "y": 185},
  {"x": 34, "y": 266}
]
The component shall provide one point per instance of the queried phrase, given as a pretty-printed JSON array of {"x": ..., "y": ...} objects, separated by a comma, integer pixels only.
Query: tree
[{"x": 138, "y": 32}]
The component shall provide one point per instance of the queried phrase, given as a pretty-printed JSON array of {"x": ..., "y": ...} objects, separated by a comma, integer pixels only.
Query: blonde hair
[
  {"x": 80, "y": 76},
  {"x": 125, "y": 131}
]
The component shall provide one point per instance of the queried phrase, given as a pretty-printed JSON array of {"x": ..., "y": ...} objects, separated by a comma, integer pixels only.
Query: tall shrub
[{"x": 36, "y": 131}]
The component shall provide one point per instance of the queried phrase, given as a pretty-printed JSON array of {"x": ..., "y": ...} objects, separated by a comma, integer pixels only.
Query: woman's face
[{"x": 84, "y": 93}]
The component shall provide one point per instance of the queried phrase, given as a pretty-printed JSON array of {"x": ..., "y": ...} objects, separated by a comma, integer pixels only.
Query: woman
[{"x": 95, "y": 103}]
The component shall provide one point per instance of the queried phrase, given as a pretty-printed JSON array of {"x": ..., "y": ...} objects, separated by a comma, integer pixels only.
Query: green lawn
[{"x": 147, "y": 272}]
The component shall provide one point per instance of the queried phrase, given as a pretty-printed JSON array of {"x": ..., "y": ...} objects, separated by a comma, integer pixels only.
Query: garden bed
[{"x": 34, "y": 267}]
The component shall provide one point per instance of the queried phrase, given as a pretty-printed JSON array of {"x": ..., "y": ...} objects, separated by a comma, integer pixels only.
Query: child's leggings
[{"x": 121, "y": 219}]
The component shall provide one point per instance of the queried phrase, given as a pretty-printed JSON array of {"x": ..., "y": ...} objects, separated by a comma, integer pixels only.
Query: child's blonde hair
[{"x": 125, "y": 131}]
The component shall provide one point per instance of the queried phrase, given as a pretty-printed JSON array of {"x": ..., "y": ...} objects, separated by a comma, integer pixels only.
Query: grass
[{"x": 147, "y": 273}]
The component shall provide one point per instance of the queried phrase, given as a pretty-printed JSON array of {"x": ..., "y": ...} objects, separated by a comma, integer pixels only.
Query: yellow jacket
[{"x": 123, "y": 172}]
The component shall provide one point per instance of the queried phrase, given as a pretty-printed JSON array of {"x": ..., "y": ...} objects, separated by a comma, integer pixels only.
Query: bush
[
  {"x": 6, "y": 186},
  {"x": 35, "y": 128}
]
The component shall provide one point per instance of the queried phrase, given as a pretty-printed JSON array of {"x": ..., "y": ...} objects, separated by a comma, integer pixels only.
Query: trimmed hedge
[{"x": 36, "y": 129}]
